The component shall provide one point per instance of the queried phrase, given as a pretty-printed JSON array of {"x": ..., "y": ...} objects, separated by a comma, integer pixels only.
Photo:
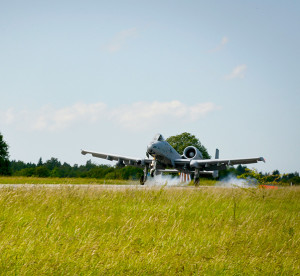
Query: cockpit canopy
[{"x": 158, "y": 137}]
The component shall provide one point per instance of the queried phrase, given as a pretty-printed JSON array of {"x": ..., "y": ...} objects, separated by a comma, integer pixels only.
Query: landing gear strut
[
  {"x": 197, "y": 178},
  {"x": 153, "y": 166},
  {"x": 143, "y": 178}
]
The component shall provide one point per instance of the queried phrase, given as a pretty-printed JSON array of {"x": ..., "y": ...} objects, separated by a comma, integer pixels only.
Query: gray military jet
[{"x": 165, "y": 157}]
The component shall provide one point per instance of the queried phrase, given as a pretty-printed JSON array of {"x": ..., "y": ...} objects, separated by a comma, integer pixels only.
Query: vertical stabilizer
[
  {"x": 217, "y": 154},
  {"x": 216, "y": 172}
]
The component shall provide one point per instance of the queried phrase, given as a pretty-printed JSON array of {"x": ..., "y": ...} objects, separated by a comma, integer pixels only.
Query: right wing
[{"x": 125, "y": 159}]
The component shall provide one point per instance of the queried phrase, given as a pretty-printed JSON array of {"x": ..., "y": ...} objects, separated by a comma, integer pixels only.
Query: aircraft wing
[
  {"x": 125, "y": 159},
  {"x": 216, "y": 164}
]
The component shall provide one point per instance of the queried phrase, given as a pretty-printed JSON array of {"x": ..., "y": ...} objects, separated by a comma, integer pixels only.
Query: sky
[{"x": 107, "y": 76}]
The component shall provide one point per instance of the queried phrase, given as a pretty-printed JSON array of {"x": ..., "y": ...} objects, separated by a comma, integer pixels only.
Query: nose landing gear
[{"x": 153, "y": 168}]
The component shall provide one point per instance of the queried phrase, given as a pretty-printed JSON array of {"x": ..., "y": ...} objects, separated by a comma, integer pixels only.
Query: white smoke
[
  {"x": 232, "y": 181},
  {"x": 167, "y": 180}
]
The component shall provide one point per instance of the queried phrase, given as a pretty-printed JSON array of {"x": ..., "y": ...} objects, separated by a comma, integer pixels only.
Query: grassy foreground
[{"x": 161, "y": 232}]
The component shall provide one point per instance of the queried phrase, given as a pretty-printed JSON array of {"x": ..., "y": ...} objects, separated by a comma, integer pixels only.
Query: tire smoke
[
  {"x": 168, "y": 180},
  {"x": 232, "y": 181}
]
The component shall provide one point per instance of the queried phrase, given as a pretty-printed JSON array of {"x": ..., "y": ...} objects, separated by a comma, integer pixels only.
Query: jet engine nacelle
[{"x": 192, "y": 153}]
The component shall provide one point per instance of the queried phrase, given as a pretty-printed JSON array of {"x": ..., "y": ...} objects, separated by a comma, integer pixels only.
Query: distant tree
[
  {"x": 240, "y": 170},
  {"x": 4, "y": 161},
  {"x": 129, "y": 172},
  {"x": 185, "y": 139},
  {"x": 89, "y": 165},
  {"x": 40, "y": 163},
  {"x": 42, "y": 171},
  {"x": 276, "y": 172},
  {"x": 17, "y": 165},
  {"x": 52, "y": 163},
  {"x": 25, "y": 172},
  {"x": 229, "y": 171},
  {"x": 56, "y": 172}
]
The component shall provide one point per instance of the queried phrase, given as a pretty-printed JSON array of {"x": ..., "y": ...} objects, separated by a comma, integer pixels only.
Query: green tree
[
  {"x": 276, "y": 172},
  {"x": 25, "y": 172},
  {"x": 52, "y": 163},
  {"x": 40, "y": 163},
  {"x": 240, "y": 170},
  {"x": 185, "y": 139},
  {"x": 42, "y": 171},
  {"x": 4, "y": 161}
]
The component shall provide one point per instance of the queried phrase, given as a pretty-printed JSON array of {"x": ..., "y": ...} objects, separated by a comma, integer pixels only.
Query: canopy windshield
[{"x": 158, "y": 137}]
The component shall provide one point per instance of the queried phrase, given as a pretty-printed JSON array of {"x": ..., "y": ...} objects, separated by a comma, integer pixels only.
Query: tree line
[
  {"x": 54, "y": 168},
  {"x": 275, "y": 177}
]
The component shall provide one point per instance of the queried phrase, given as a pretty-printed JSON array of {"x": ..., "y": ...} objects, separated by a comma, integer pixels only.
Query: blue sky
[{"x": 108, "y": 75}]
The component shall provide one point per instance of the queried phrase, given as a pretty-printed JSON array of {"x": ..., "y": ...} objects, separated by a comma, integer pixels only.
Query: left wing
[
  {"x": 216, "y": 164},
  {"x": 121, "y": 159}
]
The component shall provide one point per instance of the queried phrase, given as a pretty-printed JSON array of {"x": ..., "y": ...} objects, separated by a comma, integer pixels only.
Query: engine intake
[{"x": 192, "y": 153}]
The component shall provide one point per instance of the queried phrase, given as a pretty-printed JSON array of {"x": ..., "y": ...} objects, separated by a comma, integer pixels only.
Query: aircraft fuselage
[{"x": 163, "y": 152}]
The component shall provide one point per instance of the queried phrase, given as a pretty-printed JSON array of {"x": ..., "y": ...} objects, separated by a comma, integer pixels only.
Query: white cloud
[
  {"x": 52, "y": 119},
  {"x": 141, "y": 115},
  {"x": 8, "y": 116},
  {"x": 120, "y": 39},
  {"x": 238, "y": 72},
  {"x": 135, "y": 116},
  {"x": 221, "y": 45}
]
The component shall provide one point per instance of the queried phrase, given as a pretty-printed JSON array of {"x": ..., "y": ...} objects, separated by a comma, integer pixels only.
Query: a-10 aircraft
[{"x": 165, "y": 157}]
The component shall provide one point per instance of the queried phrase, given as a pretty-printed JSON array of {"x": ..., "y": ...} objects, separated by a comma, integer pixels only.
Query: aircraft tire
[
  {"x": 197, "y": 181},
  {"x": 142, "y": 182}
]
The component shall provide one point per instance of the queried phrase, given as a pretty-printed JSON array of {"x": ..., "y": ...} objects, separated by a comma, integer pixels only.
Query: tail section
[
  {"x": 216, "y": 173},
  {"x": 217, "y": 154}
]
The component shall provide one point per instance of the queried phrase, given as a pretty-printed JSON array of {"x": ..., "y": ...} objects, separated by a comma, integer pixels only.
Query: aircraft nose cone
[{"x": 149, "y": 148}]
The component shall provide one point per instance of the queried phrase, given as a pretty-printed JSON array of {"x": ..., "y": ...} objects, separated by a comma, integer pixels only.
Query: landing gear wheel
[
  {"x": 142, "y": 181},
  {"x": 197, "y": 181},
  {"x": 152, "y": 173}
]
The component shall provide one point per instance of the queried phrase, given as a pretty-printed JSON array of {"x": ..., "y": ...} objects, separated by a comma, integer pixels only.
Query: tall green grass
[{"x": 160, "y": 232}]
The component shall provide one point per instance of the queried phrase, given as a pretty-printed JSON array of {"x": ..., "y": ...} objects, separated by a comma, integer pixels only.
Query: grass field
[{"x": 158, "y": 232}]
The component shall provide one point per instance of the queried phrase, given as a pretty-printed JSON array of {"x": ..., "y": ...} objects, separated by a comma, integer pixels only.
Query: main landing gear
[
  {"x": 143, "y": 178},
  {"x": 197, "y": 178}
]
